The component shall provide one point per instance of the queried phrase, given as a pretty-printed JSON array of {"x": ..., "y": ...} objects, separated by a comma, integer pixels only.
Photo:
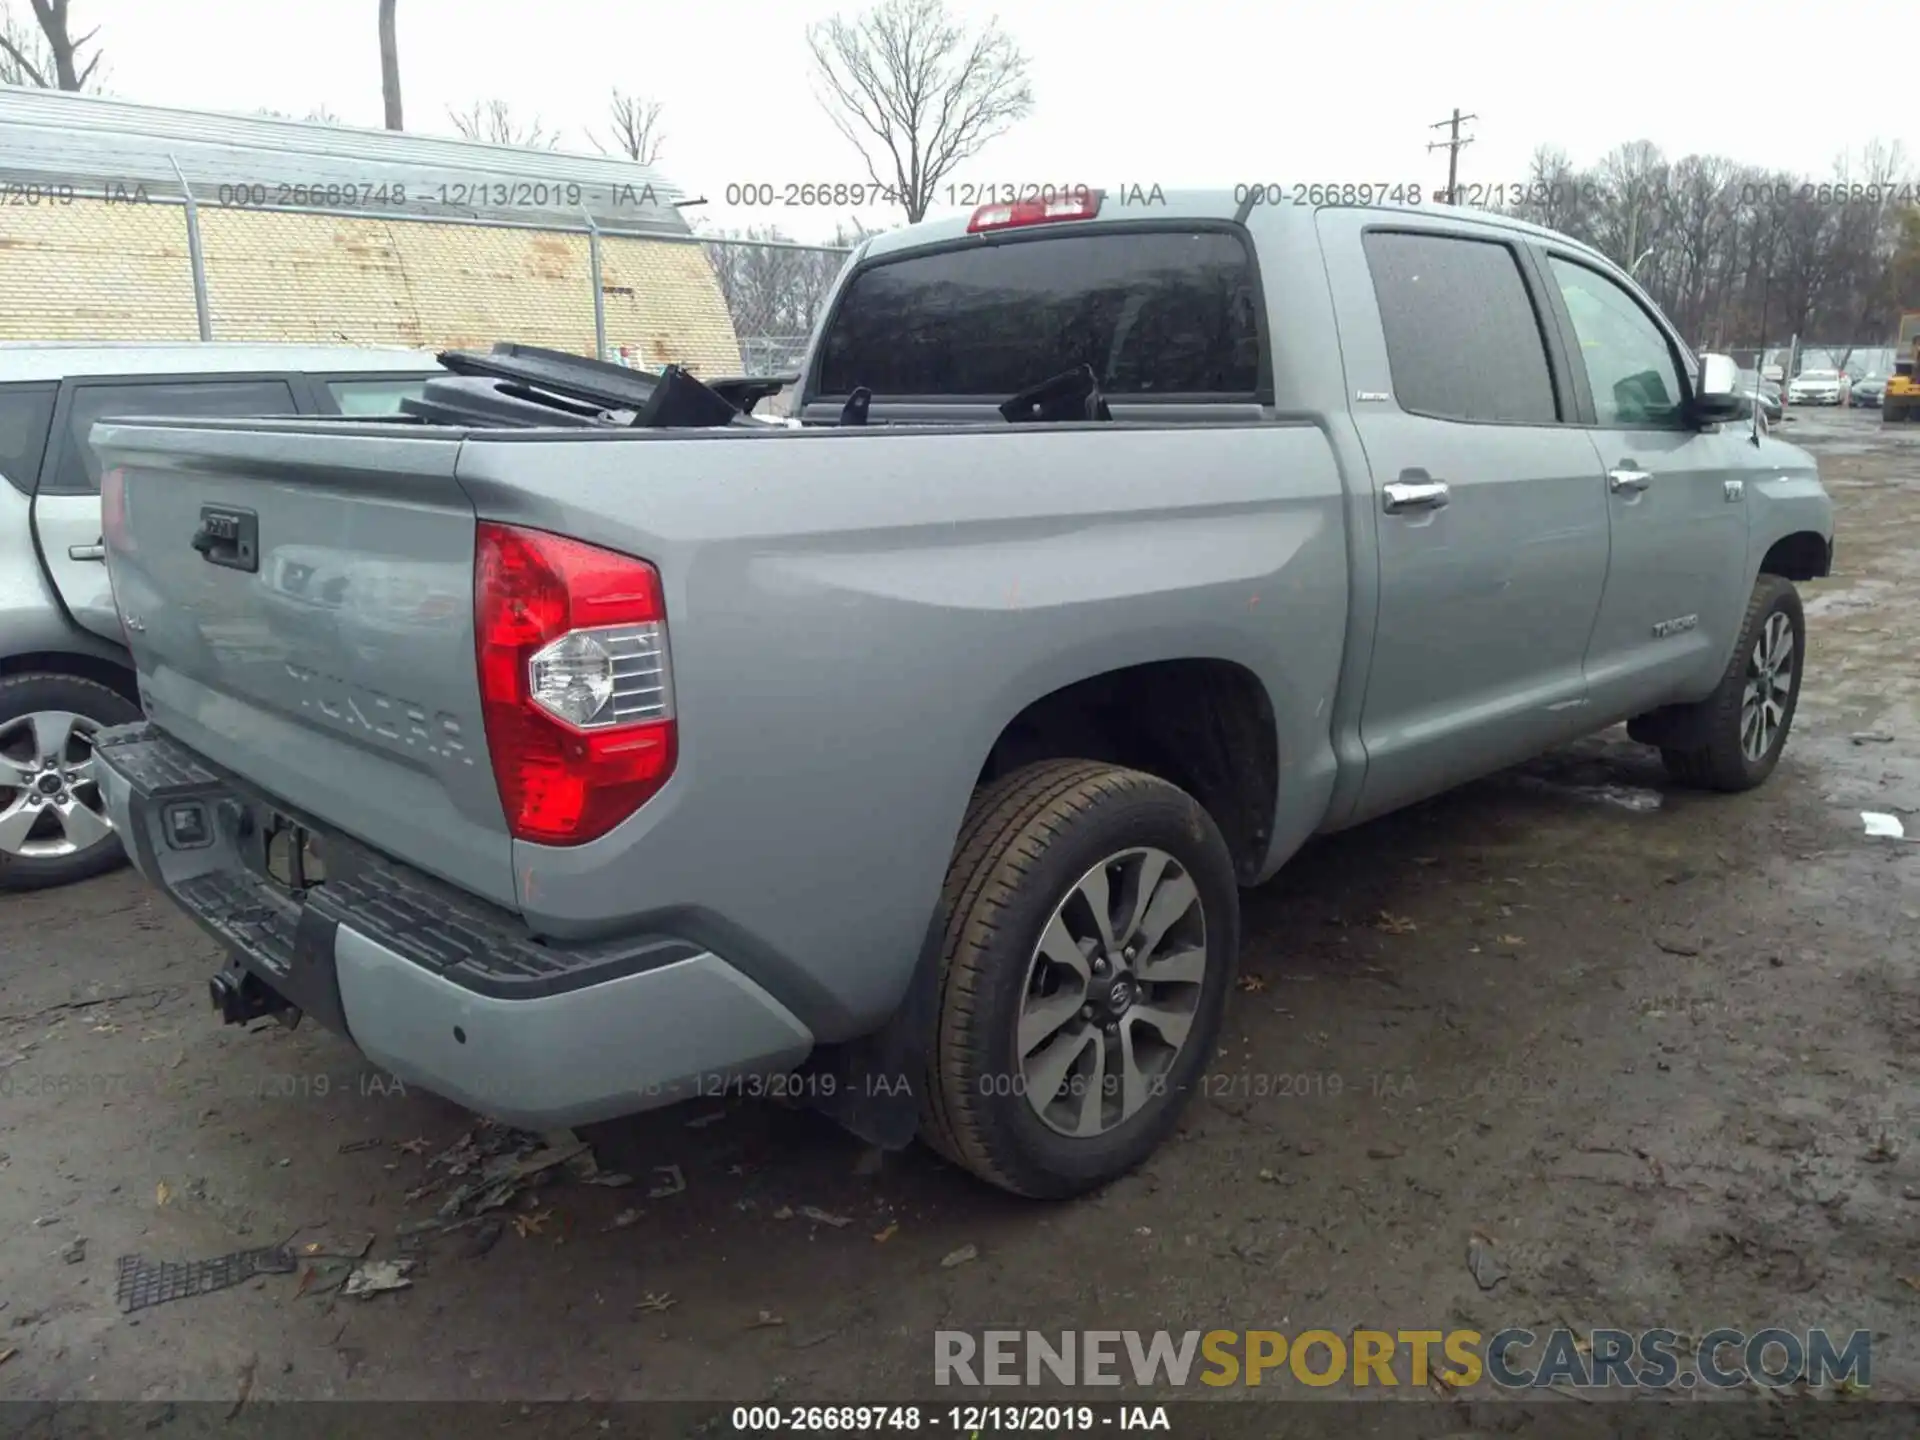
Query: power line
[{"x": 1452, "y": 145}]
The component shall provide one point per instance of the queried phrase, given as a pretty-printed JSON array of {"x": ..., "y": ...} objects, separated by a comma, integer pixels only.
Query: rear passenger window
[
  {"x": 25, "y": 412},
  {"x": 1463, "y": 339},
  {"x": 1163, "y": 312},
  {"x": 79, "y": 467}
]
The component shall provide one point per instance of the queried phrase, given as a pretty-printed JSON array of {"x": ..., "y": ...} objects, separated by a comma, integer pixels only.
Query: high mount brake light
[
  {"x": 1034, "y": 212},
  {"x": 575, "y": 682}
]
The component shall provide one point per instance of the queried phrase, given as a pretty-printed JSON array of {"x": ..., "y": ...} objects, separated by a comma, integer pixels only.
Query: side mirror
[{"x": 1717, "y": 395}]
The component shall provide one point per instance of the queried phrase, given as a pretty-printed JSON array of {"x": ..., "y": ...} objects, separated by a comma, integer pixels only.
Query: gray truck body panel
[{"x": 855, "y": 615}]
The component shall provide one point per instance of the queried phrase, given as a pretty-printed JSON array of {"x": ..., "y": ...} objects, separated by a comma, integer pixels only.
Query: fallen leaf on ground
[
  {"x": 377, "y": 1277},
  {"x": 1394, "y": 924},
  {"x": 532, "y": 1224},
  {"x": 960, "y": 1256},
  {"x": 419, "y": 1145},
  {"x": 785, "y": 1212},
  {"x": 887, "y": 1234},
  {"x": 624, "y": 1219},
  {"x": 162, "y": 1193},
  {"x": 767, "y": 1318},
  {"x": 1252, "y": 984},
  {"x": 1508, "y": 940},
  {"x": 1912, "y": 1282},
  {"x": 656, "y": 1300},
  {"x": 8, "y": 1353}
]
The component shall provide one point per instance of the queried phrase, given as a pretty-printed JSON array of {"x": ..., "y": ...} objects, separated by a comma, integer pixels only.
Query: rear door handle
[
  {"x": 1414, "y": 495},
  {"x": 1625, "y": 479},
  {"x": 95, "y": 551}
]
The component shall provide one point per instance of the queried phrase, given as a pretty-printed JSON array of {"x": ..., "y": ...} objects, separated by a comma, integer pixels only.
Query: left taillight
[{"x": 576, "y": 684}]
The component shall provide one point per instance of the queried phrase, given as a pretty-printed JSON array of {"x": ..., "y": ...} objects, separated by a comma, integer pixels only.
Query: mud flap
[{"x": 877, "y": 1080}]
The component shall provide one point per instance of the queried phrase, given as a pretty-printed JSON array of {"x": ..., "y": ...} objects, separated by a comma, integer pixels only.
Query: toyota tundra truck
[{"x": 910, "y": 754}]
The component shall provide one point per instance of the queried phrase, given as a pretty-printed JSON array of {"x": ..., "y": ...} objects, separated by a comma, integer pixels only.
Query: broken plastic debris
[
  {"x": 141, "y": 1283},
  {"x": 825, "y": 1217},
  {"x": 1884, "y": 826},
  {"x": 378, "y": 1276},
  {"x": 960, "y": 1256},
  {"x": 1482, "y": 1263},
  {"x": 675, "y": 1182}
]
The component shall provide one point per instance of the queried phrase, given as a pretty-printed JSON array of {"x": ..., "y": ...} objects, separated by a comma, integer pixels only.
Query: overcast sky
[{"x": 1201, "y": 92}]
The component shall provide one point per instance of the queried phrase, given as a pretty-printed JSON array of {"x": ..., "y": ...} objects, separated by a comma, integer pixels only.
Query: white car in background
[
  {"x": 64, "y": 670},
  {"x": 1814, "y": 387}
]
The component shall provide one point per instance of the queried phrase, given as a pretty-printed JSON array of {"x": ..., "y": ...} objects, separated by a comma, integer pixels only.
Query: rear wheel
[
  {"x": 54, "y": 827},
  {"x": 1093, "y": 927},
  {"x": 1743, "y": 724}
]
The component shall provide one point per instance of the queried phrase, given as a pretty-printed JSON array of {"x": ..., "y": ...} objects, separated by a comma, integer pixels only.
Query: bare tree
[
  {"x": 24, "y": 57},
  {"x": 916, "y": 94},
  {"x": 1739, "y": 256},
  {"x": 636, "y": 128},
  {"x": 774, "y": 289},
  {"x": 390, "y": 65},
  {"x": 493, "y": 122},
  {"x": 51, "y": 59}
]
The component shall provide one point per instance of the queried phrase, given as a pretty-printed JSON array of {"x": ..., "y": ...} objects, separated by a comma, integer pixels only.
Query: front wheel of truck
[
  {"x": 1092, "y": 933},
  {"x": 1741, "y": 728}
]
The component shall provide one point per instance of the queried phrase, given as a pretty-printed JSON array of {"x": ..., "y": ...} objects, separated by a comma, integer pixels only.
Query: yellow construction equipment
[{"x": 1902, "y": 403}]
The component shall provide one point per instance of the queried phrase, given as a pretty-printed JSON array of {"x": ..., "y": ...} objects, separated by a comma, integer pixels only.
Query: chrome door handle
[
  {"x": 95, "y": 551},
  {"x": 1426, "y": 495},
  {"x": 1629, "y": 480}
]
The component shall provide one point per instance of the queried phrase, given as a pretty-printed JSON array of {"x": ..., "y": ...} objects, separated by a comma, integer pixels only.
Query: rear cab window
[
  {"x": 77, "y": 468},
  {"x": 26, "y": 412},
  {"x": 1464, "y": 340},
  {"x": 1158, "y": 313}
]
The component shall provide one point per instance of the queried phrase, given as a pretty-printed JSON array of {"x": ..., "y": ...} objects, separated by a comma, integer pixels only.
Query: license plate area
[{"x": 287, "y": 853}]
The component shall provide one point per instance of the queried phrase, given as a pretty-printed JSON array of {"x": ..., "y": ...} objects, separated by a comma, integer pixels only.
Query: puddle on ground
[{"x": 1624, "y": 797}]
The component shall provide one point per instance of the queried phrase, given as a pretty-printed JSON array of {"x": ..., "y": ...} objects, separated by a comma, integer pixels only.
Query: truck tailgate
[{"x": 309, "y": 623}]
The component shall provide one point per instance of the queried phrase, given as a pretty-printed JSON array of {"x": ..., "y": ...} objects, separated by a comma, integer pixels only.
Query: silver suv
[{"x": 64, "y": 669}]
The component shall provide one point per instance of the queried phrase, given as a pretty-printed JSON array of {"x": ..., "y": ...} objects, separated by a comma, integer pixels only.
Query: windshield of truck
[{"x": 1161, "y": 312}]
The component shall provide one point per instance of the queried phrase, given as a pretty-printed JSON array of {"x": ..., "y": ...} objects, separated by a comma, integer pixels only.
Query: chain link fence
[{"x": 95, "y": 268}]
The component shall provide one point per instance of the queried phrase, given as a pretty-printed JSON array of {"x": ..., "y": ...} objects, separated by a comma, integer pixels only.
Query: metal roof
[
  {"x": 86, "y": 145},
  {"x": 59, "y": 360}
]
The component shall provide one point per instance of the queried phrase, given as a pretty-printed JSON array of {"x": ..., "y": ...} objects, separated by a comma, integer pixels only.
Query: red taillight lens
[
  {"x": 574, "y": 681},
  {"x": 1081, "y": 205}
]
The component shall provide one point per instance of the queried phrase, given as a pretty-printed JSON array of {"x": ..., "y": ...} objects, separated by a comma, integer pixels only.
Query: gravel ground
[{"x": 1654, "y": 1045}]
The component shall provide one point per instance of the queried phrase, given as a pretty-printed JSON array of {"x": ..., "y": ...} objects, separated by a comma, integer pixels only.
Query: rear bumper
[{"x": 438, "y": 987}]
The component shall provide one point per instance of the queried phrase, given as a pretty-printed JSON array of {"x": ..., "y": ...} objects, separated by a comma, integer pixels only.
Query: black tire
[
  {"x": 24, "y": 695},
  {"x": 1027, "y": 841},
  {"x": 1719, "y": 762}
]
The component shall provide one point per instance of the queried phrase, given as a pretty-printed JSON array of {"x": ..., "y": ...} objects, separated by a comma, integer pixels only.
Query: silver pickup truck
[{"x": 908, "y": 760}]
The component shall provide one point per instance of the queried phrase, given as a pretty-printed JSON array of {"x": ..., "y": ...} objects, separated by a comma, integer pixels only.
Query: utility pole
[{"x": 1452, "y": 145}]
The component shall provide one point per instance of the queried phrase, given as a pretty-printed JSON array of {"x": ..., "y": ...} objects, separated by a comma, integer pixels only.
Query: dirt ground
[{"x": 1658, "y": 1046}]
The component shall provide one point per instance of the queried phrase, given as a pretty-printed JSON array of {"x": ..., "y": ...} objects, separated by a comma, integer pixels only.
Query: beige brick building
[{"x": 94, "y": 241}]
